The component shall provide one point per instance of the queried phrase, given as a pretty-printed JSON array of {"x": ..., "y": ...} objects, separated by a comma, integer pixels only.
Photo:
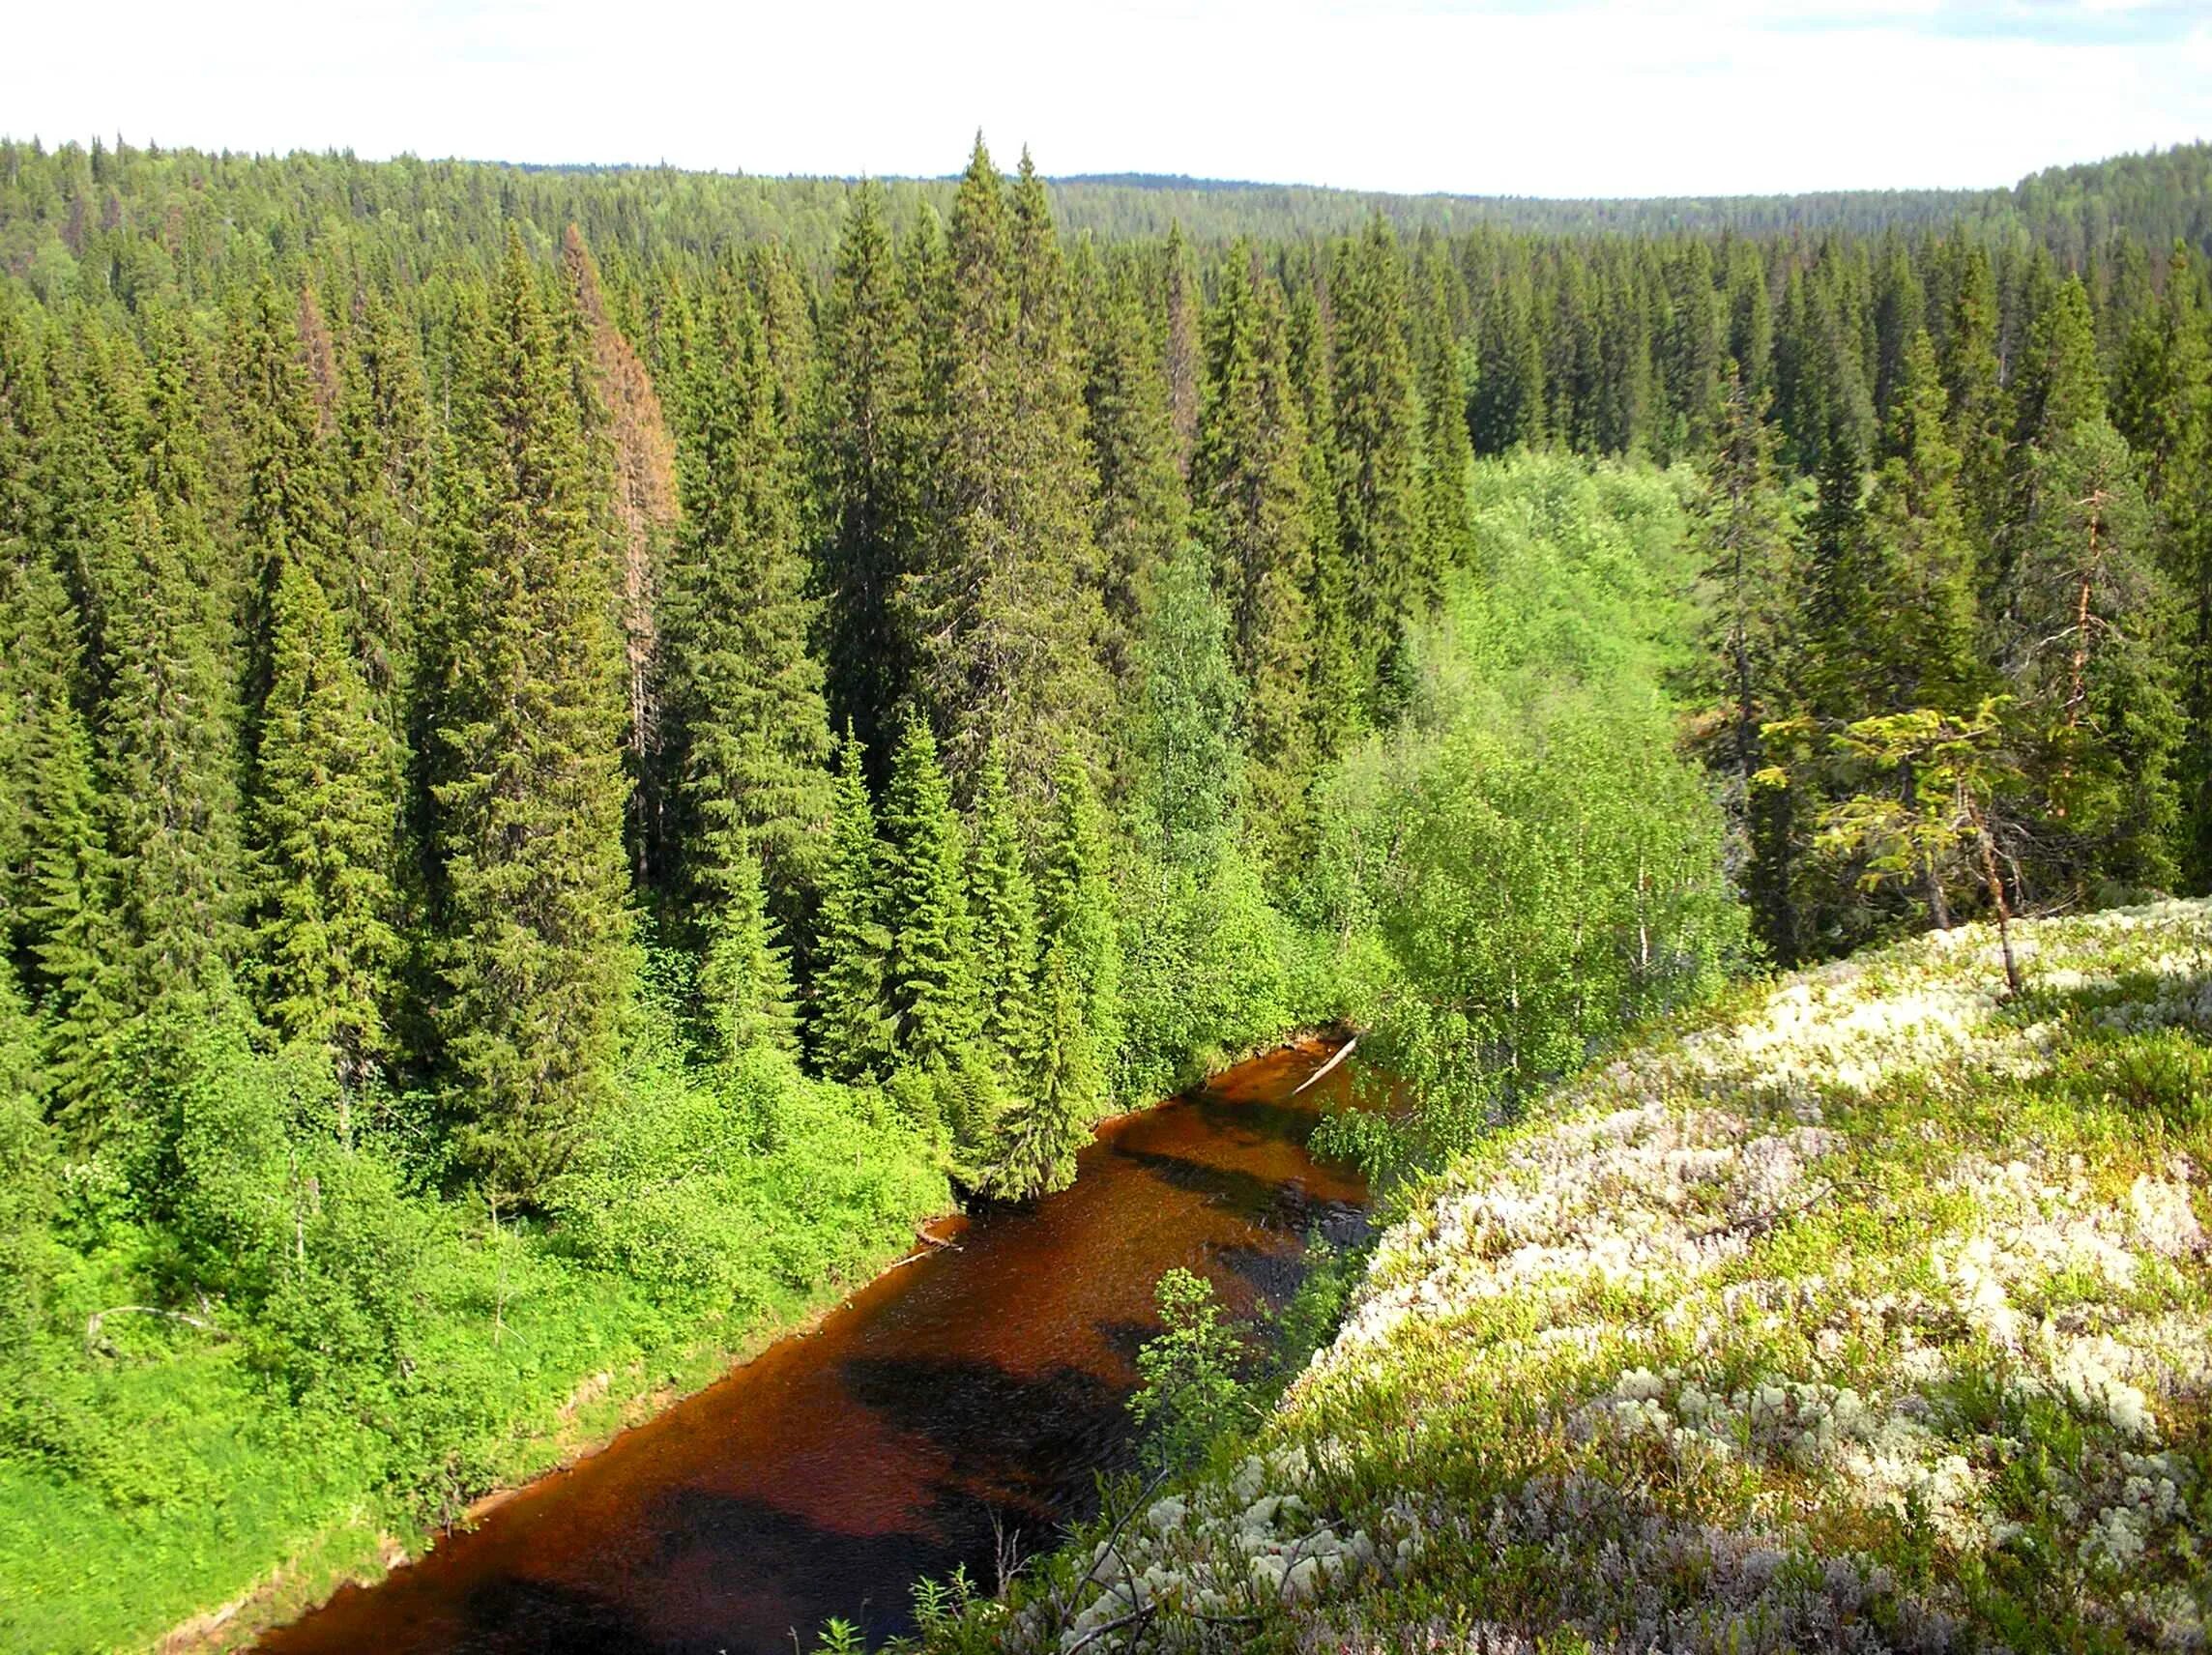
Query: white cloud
[{"x": 1478, "y": 95}]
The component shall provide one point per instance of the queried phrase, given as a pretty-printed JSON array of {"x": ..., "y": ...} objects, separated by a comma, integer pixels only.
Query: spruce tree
[
  {"x": 381, "y": 441},
  {"x": 2093, "y": 697},
  {"x": 1003, "y": 901},
  {"x": 1377, "y": 437},
  {"x": 1508, "y": 408},
  {"x": 1189, "y": 765},
  {"x": 862, "y": 457},
  {"x": 57, "y": 869},
  {"x": 744, "y": 982},
  {"x": 323, "y": 826},
  {"x": 852, "y": 1028},
  {"x": 1003, "y": 604},
  {"x": 1445, "y": 449},
  {"x": 168, "y": 758},
  {"x": 1337, "y": 692},
  {"x": 1039, "y": 1136},
  {"x": 1918, "y": 645},
  {"x": 1743, "y": 537},
  {"x": 1140, "y": 513},
  {"x": 931, "y": 975},
  {"x": 530, "y": 790},
  {"x": 287, "y": 486},
  {"x": 643, "y": 453},
  {"x": 748, "y": 733},
  {"x": 1248, "y": 483},
  {"x": 1975, "y": 391},
  {"x": 1076, "y": 901},
  {"x": 1183, "y": 359}
]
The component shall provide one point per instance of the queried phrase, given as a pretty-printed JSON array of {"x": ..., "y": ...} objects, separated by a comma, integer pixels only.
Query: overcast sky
[{"x": 1483, "y": 97}]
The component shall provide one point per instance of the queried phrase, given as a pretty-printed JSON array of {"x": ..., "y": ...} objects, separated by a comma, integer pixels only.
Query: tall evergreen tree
[
  {"x": 748, "y": 732},
  {"x": 1004, "y": 604},
  {"x": 1445, "y": 447},
  {"x": 1140, "y": 513},
  {"x": 851, "y": 1026},
  {"x": 168, "y": 764},
  {"x": 1743, "y": 537},
  {"x": 1189, "y": 765},
  {"x": 1378, "y": 436},
  {"x": 862, "y": 457},
  {"x": 931, "y": 977},
  {"x": 323, "y": 823},
  {"x": 744, "y": 980},
  {"x": 1248, "y": 481},
  {"x": 530, "y": 790},
  {"x": 1003, "y": 901},
  {"x": 1076, "y": 900}
]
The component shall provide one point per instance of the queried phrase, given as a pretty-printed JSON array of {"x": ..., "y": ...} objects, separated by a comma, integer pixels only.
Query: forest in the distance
[{"x": 580, "y": 749}]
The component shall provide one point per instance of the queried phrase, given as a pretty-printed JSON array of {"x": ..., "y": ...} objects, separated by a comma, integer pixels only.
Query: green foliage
[
  {"x": 1190, "y": 1394},
  {"x": 324, "y": 808},
  {"x": 930, "y": 982},
  {"x": 851, "y": 1026},
  {"x": 530, "y": 788},
  {"x": 748, "y": 742}
]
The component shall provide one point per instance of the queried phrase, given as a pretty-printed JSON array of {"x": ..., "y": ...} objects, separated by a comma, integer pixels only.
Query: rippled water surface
[{"x": 985, "y": 1381}]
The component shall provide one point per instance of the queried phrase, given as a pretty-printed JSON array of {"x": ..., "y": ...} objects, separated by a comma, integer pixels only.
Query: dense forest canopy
[
  {"x": 579, "y": 748},
  {"x": 200, "y": 207}
]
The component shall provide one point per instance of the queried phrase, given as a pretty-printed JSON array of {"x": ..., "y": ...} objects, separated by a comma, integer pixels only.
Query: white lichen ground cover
[{"x": 1873, "y": 1313}]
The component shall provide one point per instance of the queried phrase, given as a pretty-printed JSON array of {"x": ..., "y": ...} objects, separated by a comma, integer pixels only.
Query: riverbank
[
  {"x": 978, "y": 1386},
  {"x": 1869, "y": 1311},
  {"x": 598, "y": 1411}
]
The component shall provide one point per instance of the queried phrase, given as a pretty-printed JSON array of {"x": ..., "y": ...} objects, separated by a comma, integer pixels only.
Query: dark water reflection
[{"x": 976, "y": 1390}]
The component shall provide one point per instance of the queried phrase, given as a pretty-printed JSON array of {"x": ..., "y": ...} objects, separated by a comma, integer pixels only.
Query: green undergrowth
[
  {"x": 1872, "y": 1309},
  {"x": 382, "y": 1354}
]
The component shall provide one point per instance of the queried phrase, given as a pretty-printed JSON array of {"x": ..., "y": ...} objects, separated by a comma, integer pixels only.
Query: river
[{"x": 972, "y": 1392}]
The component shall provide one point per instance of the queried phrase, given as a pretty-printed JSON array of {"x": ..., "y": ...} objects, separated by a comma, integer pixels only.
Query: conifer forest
[{"x": 581, "y": 750}]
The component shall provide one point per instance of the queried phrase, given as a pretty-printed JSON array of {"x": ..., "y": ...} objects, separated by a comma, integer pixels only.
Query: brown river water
[{"x": 987, "y": 1381}]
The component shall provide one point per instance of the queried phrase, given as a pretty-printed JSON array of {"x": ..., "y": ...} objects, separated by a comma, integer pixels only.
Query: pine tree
[
  {"x": 2091, "y": 684},
  {"x": 1076, "y": 901},
  {"x": 323, "y": 826},
  {"x": 852, "y": 1026},
  {"x": 931, "y": 975},
  {"x": 861, "y": 455},
  {"x": 748, "y": 733},
  {"x": 530, "y": 792},
  {"x": 1248, "y": 481},
  {"x": 1004, "y": 605},
  {"x": 1004, "y": 903}
]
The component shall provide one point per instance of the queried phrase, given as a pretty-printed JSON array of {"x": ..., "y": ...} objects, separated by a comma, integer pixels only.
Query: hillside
[
  {"x": 401, "y": 215},
  {"x": 1872, "y": 1312}
]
